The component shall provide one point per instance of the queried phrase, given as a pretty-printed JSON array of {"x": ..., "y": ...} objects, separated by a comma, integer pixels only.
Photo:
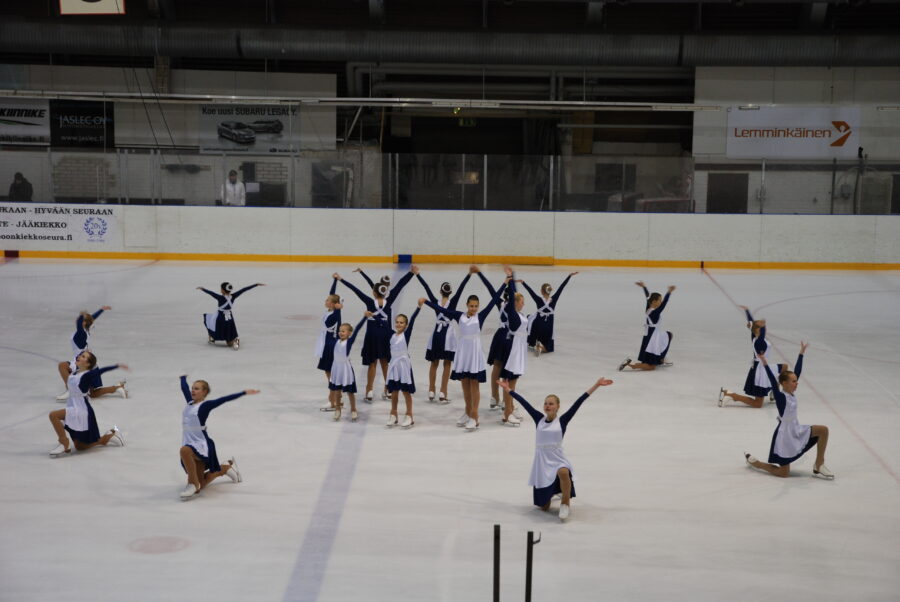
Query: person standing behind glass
[
  {"x": 20, "y": 190},
  {"x": 233, "y": 192}
]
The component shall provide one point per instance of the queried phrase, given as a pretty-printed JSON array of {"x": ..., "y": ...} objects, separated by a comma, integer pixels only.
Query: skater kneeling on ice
[
  {"x": 198, "y": 451},
  {"x": 551, "y": 471},
  {"x": 656, "y": 341},
  {"x": 220, "y": 325}
]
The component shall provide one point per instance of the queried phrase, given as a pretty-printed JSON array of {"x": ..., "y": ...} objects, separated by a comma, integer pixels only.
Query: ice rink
[{"x": 666, "y": 508}]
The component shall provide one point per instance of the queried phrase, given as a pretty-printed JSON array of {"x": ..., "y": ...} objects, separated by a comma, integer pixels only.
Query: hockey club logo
[{"x": 95, "y": 228}]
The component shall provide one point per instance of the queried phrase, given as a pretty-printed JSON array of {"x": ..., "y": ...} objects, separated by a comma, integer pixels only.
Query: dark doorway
[{"x": 727, "y": 193}]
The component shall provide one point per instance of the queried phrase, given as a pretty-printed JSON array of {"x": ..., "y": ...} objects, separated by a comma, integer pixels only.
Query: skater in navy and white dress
[
  {"x": 656, "y": 341},
  {"x": 442, "y": 342},
  {"x": 518, "y": 351},
  {"x": 198, "y": 450},
  {"x": 756, "y": 385},
  {"x": 400, "y": 375},
  {"x": 540, "y": 335},
  {"x": 328, "y": 336},
  {"x": 220, "y": 324},
  {"x": 343, "y": 379},
  {"x": 468, "y": 364},
  {"x": 81, "y": 341},
  {"x": 498, "y": 350},
  {"x": 551, "y": 471},
  {"x": 791, "y": 439},
  {"x": 78, "y": 419},
  {"x": 376, "y": 347}
]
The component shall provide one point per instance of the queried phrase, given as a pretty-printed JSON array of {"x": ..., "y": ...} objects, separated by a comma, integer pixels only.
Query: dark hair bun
[
  {"x": 381, "y": 288},
  {"x": 226, "y": 286},
  {"x": 446, "y": 289},
  {"x": 385, "y": 280}
]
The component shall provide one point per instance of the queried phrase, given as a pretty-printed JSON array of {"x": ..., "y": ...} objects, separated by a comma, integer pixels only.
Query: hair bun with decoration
[
  {"x": 381, "y": 288},
  {"x": 446, "y": 289},
  {"x": 226, "y": 286}
]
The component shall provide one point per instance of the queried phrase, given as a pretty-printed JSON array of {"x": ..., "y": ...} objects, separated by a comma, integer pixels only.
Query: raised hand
[
  {"x": 803, "y": 347},
  {"x": 671, "y": 288},
  {"x": 414, "y": 269},
  {"x": 357, "y": 270},
  {"x": 260, "y": 284},
  {"x": 508, "y": 271},
  {"x": 641, "y": 284},
  {"x": 603, "y": 382},
  {"x": 251, "y": 391},
  {"x": 573, "y": 273},
  {"x": 421, "y": 301},
  {"x": 744, "y": 307},
  {"x": 106, "y": 308},
  {"x": 338, "y": 306},
  {"x": 473, "y": 269},
  {"x": 123, "y": 366},
  {"x": 368, "y": 314},
  {"x": 337, "y": 276}
]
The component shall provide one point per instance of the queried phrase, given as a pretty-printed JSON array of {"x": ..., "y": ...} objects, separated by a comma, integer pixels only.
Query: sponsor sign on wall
[
  {"x": 24, "y": 121},
  {"x": 92, "y": 7},
  {"x": 83, "y": 124},
  {"x": 793, "y": 132},
  {"x": 60, "y": 224},
  {"x": 249, "y": 129}
]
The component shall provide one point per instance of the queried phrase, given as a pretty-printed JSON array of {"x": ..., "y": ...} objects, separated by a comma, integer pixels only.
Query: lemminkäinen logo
[{"x": 95, "y": 227}]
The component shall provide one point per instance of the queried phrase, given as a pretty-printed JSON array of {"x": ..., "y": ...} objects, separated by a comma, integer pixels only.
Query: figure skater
[
  {"x": 551, "y": 471},
  {"x": 328, "y": 336},
  {"x": 468, "y": 363},
  {"x": 656, "y": 341},
  {"x": 376, "y": 344},
  {"x": 442, "y": 342},
  {"x": 756, "y": 385},
  {"x": 791, "y": 439},
  {"x": 498, "y": 350},
  {"x": 220, "y": 325},
  {"x": 78, "y": 417},
  {"x": 518, "y": 350},
  {"x": 198, "y": 450},
  {"x": 400, "y": 374},
  {"x": 540, "y": 335},
  {"x": 343, "y": 379},
  {"x": 81, "y": 342}
]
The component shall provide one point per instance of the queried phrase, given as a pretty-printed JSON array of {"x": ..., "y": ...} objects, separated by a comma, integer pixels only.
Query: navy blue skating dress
[
  {"x": 193, "y": 426},
  {"x": 220, "y": 325},
  {"x": 542, "y": 320},
  {"x": 377, "y": 342}
]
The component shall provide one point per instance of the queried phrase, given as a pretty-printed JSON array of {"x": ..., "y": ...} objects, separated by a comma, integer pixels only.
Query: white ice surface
[{"x": 666, "y": 508}]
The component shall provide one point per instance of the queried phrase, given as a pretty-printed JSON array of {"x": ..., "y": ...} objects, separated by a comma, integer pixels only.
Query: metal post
[
  {"x": 496, "y": 563},
  {"x": 528, "y": 562},
  {"x": 833, "y": 177},
  {"x": 484, "y": 182},
  {"x": 550, "y": 183},
  {"x": 462, "y": 183}
]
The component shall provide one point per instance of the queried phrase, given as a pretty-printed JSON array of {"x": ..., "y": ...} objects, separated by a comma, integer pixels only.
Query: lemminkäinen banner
[{"x": 793, "y": 132}]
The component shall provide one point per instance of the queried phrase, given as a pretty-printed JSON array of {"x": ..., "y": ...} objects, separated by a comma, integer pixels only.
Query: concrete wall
[{"x": 562, "y": 237}]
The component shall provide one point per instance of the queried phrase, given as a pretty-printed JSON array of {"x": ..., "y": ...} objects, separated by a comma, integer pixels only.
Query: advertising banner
[
  {"x": 249, "y": 129},
  {"x": 92, "y": 7},
  {"x": 54, "y": 223},
  {"x": 82, "y": 123},
  {"x": 793, "y": 132},
  {"x": 24, "y": 121}
]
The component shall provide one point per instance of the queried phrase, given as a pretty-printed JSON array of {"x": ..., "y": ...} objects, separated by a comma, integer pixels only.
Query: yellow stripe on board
[{"x": 463, "y": 259}]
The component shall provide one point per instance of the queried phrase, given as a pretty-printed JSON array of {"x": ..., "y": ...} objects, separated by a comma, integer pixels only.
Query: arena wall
[{"x": 299, "y": 234}]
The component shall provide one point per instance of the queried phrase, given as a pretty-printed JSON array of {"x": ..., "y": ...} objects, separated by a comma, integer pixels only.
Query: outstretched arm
[
  {"x": 425, "y": 286},
  {"x": 185, "y": 389},
  {"x": 395, "y": 290},
  {"x": 370, "y": 305},
  {"x": 244, "y": 290},
  {"x": 495, "y": 300},
  {"x": 355, "y": 333},
  {"x": 97, "y": 313},
  {"x": 799, "y": 365},
  {"x": 511, "y": 314},
  {"x": 208, "y": 406},
  {"x": 534, "y": 296},
  {"x": 450, "y": 313},
  {"x": 570, "y": 413},
  {"x": 333, "y": 288},
  {"x": 555, "y": 297},
  {"x": 487, "y": 284},
  {"x": 84, "y": 384},
  {"x": 365, "y": 277},
  {"x": 454, "y": 300},
  {"x": 412, "y": 319},
  {"x": 535, "y": 415}
]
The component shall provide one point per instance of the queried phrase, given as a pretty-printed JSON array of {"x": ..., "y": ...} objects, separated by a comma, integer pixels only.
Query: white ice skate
[
  {"x": 471, "y": 425},
  {"x": 511, "y": 420},
  {"x": 443, "y": 399},
  {"x": 517, "y": 411},
  {"x": 431, "y": 396},
  {"x": 624, "y": 363},
  {"x": 392, "y": 420},
  {"x": 327, "y": 408},
  {"x": 233, "y": 473},
  {"x": 121, "y": 390},
  {"x": 117, "y": 436},
  {"x": 368, "y": 397},
  {"x": 189, "y": 492},
  {"x": 495, "y": 404},
  {"x": 722, "y": 393},
  {"x": 462, "y": 420},
  {"x": 353, "y": 416},
  {"x": 823, "y": 472},
  {"x": 60, "y": 451},
  {"x": 407, "y": 422},
  {"x": 564, "y": 512}
]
